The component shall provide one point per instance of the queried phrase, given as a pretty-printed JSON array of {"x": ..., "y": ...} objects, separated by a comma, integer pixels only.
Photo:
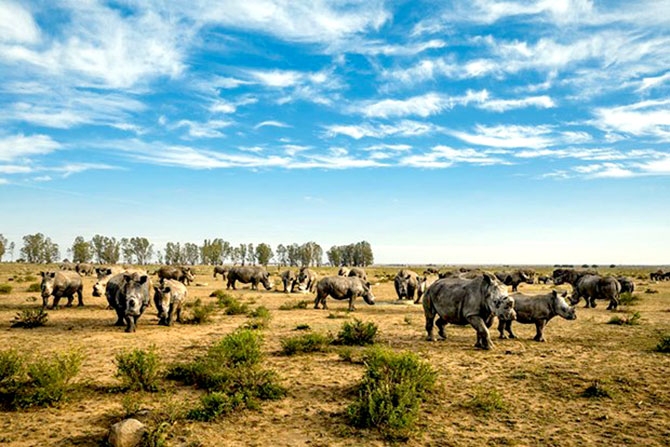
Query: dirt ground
[{"x": 540, "y": 385}]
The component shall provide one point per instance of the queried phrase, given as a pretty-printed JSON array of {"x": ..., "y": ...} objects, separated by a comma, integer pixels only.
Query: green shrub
[
  {"x": 28, "y": 278},
  {"x": 156, "y": 435},
  {"x": 199, "y": 313},
  {"x": 231, "y": 372},
  {"x": 139, "y": 370},
  {"x": 632, "y": 320},
  {"x": 390, "y": 393},
  {"x": 333, "y": 316},
  {"x": 232, "y": 306},
  {"x": 597, "y": 391},
  {"x": 30, "y": 318},
  {"x": 219, "y": 294},
  {"x": 357, "y": 333},
  {"x": 34, "y": 287},
  {"x": 42, "y": 382},
  {"x": 486, "y": 401},
  {"x": 311, "y": 342},
  {"x": 5, "y": 289},
  {"x": 628, "y": 299},
  {"x": 663, "y": 343},
  {"x": 291, "y": 305}
]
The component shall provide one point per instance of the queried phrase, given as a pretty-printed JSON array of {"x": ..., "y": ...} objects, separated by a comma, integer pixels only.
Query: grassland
[{"x": 520, "y": 393}]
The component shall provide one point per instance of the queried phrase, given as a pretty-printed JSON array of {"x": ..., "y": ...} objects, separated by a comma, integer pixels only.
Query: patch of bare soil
[{"x": 520, "y": 393}]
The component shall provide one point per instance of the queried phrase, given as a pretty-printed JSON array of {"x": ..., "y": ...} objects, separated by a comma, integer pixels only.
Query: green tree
[
  {"x": 81, "y": 250},
  {"x": 37, "y": 249},
  {"x": 281, "y": 255},
  {"x": 107, "y": 250},
  {"x": 263, "y": 254},
  {"x": 251, "y": 254},
  {"x": 242, "y": 253},
  {"x": 190, "y": 253},
  {"x": 137, "y": 250},
  {"x": 173, "y": 253},
  {"x": 335, "y": 256},
  {"x": 3, "y": 246}
]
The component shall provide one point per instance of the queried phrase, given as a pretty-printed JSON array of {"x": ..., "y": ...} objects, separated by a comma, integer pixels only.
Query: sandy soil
[{"x": 541, "y": 384}]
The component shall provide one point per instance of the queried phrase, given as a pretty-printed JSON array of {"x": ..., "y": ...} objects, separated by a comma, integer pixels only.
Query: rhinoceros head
[
  {"x": 135, "y": 288},
  {"x": 561, "y": 306},
  {"x": 502, "y": 303},
  {"x": 368, "y": 296}
]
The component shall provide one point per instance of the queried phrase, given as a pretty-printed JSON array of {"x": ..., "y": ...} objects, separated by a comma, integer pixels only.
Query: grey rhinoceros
[
  {"x": 342, "y": 288},
  {"x": 537, "y": 310},
  {"x": 249, "y": 274},
  {"x": 467, "y": 301}
]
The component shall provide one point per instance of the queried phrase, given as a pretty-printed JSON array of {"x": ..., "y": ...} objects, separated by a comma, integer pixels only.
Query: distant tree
[
  {"x": 236, "y": 255},
  {"x": 190, "y": 253},
  {"x": 11, "y": 250},
  {"x": 334, "y": 256},
  {"x": 137, "y": 250},
  {"x": 251, "y": 254},
  {"x": 3, "y": 246},
  {"x": 310, "y": 254},
  {"x": 37, "y": 249},
  {"x": 81, "y": 250},
  {"x": 242, "y": 253},
  {"x": 211, "y": 251},
  {"x": 612, "y": 266},
  {"x": 107, "y": 250},
  {"x": 173, "y": 253},
  {"x": 281, "y": 255},
  {"x": 263, "y": 254}
]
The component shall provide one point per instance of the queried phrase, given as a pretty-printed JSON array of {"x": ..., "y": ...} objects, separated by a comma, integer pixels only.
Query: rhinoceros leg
[
  {"x": 80, "y": 297},
  {"x": 501, "y": 328},
  {"x": 508, "y": 327},
  {"x": 539, "y": 327},
  {"x": 119, "y": 317},
  {"x": 70, "y": 299},
  {"x": 320, "y": 298},
  {"x": 352, "y": 297},
  {"x": 483, "y": 336}
]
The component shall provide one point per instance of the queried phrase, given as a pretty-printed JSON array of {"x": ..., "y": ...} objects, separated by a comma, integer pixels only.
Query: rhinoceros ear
[
  {"x": 488, "y": 279},
  {"x": 564, "y": 294},
  {"x": 554, "y": 293},
  {"x": 127, "y": 278},
  {"x": 52, "y": 274},
  {"x": 43, "y": 274},
  {"x": 143, "y": 279}
]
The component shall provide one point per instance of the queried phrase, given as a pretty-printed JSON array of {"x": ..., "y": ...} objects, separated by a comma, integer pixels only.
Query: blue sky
[{"x": 441, "y": 132}]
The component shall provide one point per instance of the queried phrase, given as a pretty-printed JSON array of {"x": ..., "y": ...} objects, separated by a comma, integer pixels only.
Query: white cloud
[
  {"x": 223, "y": 106},
  {"x": 375, "y": 48},
  {"x": 17, "y": 147},
  {"x": 656, "y": 167},
  {"x": 405, "y": 128},
  {"x": 271, "y": 123},
  {"x": 605, "y": 170},
  {"x": 643, "y": 118},
  {"x": 508, "y": 136},
  {"x": 17, "y": 24},
  {"x": 445, "y": 156},
  {"x": 389, "y": 147},
  {"x": 208, "y": 129},
  {"x": 654, "y": 81},
  {"x": 293, "y": 149},
  {"x": 502, "y": 105}
]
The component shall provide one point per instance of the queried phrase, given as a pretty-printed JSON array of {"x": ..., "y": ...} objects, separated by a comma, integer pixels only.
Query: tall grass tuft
[
  {"x": 357, "y": 333},
  {"x": 139, "y": 370},
  {"x": 30, "y": 318}
]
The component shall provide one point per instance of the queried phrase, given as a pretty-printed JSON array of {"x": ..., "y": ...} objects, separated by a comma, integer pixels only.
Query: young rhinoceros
[
  {"x": 169, "y": 296},
  {"x": 538, "y": 310},
  {"x": 61, "y": 284}
]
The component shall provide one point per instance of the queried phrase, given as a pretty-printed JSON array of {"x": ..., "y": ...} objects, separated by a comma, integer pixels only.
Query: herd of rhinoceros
[{"x": 460, "y": 297}]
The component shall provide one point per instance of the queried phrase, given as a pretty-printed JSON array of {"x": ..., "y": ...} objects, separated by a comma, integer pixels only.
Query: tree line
[{"x": 38, "y": 248}]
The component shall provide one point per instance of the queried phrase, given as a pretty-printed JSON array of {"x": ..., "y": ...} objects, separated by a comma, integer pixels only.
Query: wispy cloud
[
  {"x": 208, "y": 129},
  {"x": 445, "y": 156},
  {"x": 405, "y": 128},
  {"x": 17, "y": 24},
  {"x": 644, "y": 118},
  {"x": 271, "y": 123},
  {"x": 18, "y": 147}
]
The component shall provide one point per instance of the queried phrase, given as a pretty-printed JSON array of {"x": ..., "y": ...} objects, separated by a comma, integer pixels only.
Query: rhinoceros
[
  {"x": 179, "y": 273},
  {"x": 515, "y": 278},
  {"x": 467, "y": 301},
  {"x": 537, "y": 310},
  {"x": 307, "y": 279},
  {"x": 590, "y": 287},
  {"x": 407, "y": 283},
  {"x": 169, "y": 297},
  {"x": 359, "y": 272},
  {"x": 342, "y": 288},
  {"x": 67, "y": 265},
  {"x": 249, "y": 274},
  {"x": 84, "y": 269},
  {"x": 627, "y": 284},
  {"x": 104, "y": 274},
  {"x": 128, "y": 293},
  {"x": 61, "y": 284},
  {"x": 221, "y": 270},
  {"x": 288, "y": 279}
]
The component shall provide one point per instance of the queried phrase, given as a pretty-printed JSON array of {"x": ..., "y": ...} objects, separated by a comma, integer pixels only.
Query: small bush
[
  {"x": 5, "y": 289},
  {"x": 335, "y": 316},
  {"x": 651, "y": 291},
  {"x": 390, "y": 393},
  {"x": 597, "y": 391},
  {"x": 139, "y": 370},
  {"x": 30, "y": 318},
  {"x": 34, "y": 287},
  {"x": 292, "y": 305},
  {"x": 28, "y": 278},
  {"x": 311, "y": 342},
  {"x": 43, "y": 382},
  {"x": 628, "y": 299},
  {"x": 260, "y": 318},
  {"x": 663, "y": 344},
  {"x": 233, "y": 306},
  {"x": 302, "y": 327},
  {"x": 357, "y": 333},
  {"x": 486, "y": 401},
  {"x": 215, "y": 404},
  {"x": 199, "y": 313},
  {"x": 219, "y": 294},
  {"x": 156, "y": 435},
  {"x": 632, "y": 320}
]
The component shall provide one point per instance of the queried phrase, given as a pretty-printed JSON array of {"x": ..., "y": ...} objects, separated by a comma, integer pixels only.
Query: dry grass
[{"x": 542, "y": 386}]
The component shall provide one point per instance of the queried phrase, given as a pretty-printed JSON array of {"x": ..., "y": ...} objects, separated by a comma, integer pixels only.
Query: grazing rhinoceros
[
  {"x": 288, "y": 279},
  {"x": 61, "y": 284},
  {"x": 537, "y": 310},
  {"x": 307, "y": 279},
  {"x": 221, "y": 270},
  {"x": 249, "y": 274},
  {"x": 590, "y": 287},
  {"x": 467, "y": 301},
  {"x": 67, "y": 265},
  {"x": 514, "y": 278},
  {"x": 169, "y": 297},
  {"x": 359, "y": 272},
  {"x": 179, "y": 273},
  {"x": 627, "y": 284},
  {"x": 84, "y": 269},
  {"x": 342, "y": 288},
  {"x": 128, "y": 293},
  {"x": 407, "y": 283},
  {"x": 544, "y": 279},
  {"x": 343, "y": 271}
]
